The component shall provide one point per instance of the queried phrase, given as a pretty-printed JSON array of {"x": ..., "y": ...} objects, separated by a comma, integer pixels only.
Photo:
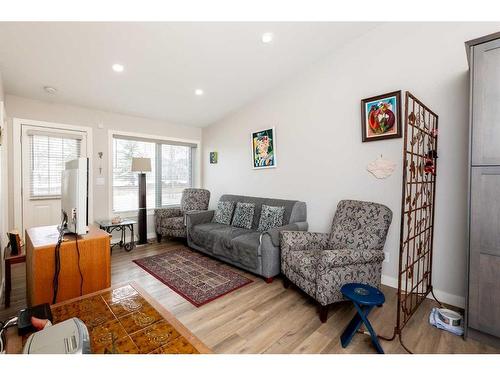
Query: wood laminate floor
[{"x": 266, "y": 318}]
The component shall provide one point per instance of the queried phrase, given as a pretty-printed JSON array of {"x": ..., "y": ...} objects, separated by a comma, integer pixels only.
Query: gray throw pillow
[
  {"x": 243, "y": 215},
  {"x": 224, "y": 212},
  {"x": 270, "y": 217}
]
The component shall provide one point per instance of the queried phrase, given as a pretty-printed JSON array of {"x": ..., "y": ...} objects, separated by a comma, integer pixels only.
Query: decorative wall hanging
[
  {"x": 381, "y": 168},
  {"x": 213, "y": 157},
  {"x": 381, "y": 117},
  {"x": 264, "y": 149},
  {"x": 417, "y": 211}
]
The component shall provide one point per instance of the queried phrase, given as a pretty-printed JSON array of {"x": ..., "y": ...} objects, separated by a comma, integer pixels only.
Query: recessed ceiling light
[
  {"x": 50, "y": 90},
  {"x": 198, "y": 92},
  {"x": 118, "y": 68},
  {"x": 267, "y": 38}
]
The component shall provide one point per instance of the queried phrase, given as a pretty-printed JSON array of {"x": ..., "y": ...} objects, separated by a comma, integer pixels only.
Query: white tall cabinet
[{"x": 483, "y": 282}]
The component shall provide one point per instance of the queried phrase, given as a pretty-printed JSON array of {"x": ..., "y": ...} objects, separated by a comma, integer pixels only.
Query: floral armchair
[
  {"x": 170, "y": 222},
  {"x": 321, "y": 263}
]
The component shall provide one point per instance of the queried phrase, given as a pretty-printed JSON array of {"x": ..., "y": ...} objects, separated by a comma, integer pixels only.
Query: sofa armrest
[
  {"x": 274, "y": 233},
  {"x": 199, "y": 217},
  {"x": 345, "y": 257},
  {"x": 299, "y": 241}
]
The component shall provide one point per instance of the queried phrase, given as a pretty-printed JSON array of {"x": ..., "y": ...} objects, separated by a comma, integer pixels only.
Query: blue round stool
[{"x": 364, "y": 298}]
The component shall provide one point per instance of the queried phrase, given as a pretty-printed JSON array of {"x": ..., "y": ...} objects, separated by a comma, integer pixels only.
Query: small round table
[{"x": 364, "y": 298}]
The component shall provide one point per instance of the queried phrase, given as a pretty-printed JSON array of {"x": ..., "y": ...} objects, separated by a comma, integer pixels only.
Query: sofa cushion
[
  {"x": 222, "y": 241},
  {"x": 243, "y": 215},
  {"x": 247, "y": 249},
  {"x": 224, "y": 212},
  {"x": 270, "y": 217},
  {"x": 201, "y": 234}
]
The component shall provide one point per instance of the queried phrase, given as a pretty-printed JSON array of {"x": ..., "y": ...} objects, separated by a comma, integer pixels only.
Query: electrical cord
[
  {"x": 9, "y": 323},
  {"x": 55, "y": 281},
  {"x": 79, "y": 267}
]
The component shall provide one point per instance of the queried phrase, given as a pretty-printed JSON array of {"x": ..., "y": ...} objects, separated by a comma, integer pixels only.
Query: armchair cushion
[
  {"x": 344, "y": 257},
  {"x": 195, "y": 199},
  {"x": 359, "y": 225},
  {"x": 299, "y": 241},
  {"x": 174, "y": 223}
]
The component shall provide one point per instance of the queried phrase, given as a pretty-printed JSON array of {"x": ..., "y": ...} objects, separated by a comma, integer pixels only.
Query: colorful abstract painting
[
  {"x": 381, "y": 117},
  {"x": 213, "y": 157},
  {"x": 264, "y": 149}
]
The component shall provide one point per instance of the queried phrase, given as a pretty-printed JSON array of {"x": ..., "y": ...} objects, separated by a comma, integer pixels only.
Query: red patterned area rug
[{"x": 194, "y": 276}]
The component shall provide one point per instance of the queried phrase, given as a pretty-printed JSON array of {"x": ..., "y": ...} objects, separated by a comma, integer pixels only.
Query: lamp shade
[{"x": 141, "y": 165}]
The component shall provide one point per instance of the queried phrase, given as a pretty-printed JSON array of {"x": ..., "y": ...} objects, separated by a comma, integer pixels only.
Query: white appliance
[
  {"x": 74, "y": 195},
  {"x": 68, "y": 337}
]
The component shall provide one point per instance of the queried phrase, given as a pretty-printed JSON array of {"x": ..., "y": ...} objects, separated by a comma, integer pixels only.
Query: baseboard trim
[{"x": 448, "y": 298}]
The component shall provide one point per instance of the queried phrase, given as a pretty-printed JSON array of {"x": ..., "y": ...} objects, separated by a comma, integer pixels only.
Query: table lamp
[{"x": 142, "y": 165}]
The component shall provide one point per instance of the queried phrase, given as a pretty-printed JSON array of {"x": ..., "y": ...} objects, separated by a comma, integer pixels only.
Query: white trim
[
  {"x": 196, "y": 166},
  {"x": 451, "y": 299},
  {"x": 17, "y": 162}
]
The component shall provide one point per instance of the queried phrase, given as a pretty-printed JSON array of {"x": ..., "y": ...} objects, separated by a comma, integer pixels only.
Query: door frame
[{"x": 17, "y": 123}]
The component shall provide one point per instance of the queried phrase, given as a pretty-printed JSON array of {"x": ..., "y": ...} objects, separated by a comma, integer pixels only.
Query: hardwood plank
[{"x": 266, "y": 318}]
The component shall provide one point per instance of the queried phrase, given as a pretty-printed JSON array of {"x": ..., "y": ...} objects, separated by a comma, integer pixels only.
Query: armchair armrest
[
  {"x": 345, "y": 257},
  {"x": 274, "y": 233},
  {"x": 165, "y": 213},
  {"x": 299, "y": 241},
  {"x": 199, "y": 217}
]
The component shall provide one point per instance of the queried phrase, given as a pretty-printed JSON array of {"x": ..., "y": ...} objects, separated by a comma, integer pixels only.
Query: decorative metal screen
[{"x": 417, "y": 210}]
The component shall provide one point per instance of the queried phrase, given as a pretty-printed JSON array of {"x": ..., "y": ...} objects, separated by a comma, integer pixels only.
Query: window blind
[
  {"x": 171, "y": 172},
  {"x": 48, "y": 155}
]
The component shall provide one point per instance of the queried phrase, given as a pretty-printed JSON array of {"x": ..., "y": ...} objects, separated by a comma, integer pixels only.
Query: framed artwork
[
  {"x": 264, "y": 149},
  {"x": 381, "y": 117},
  {"x": 213, "y": 157}
]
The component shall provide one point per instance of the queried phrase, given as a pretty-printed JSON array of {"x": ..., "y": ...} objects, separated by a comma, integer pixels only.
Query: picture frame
[
  {"x": 263, "y": 143},
  {"x": 214, "y": 157},
  {"x": 381, "y": 117}
]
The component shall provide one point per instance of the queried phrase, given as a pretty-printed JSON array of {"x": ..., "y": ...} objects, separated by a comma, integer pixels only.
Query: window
[
  {"x": 171, "y": 172},
  {"x": 48, "y": 155}
]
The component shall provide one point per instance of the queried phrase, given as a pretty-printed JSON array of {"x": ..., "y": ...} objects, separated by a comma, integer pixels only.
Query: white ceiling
[{"x": 164, "y": 63}]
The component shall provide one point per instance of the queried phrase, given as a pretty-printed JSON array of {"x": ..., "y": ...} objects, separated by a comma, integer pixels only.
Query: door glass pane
[{"x": 48, "y": 155}]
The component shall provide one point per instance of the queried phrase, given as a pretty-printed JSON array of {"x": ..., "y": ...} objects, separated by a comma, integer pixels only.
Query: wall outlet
[{"x": 387, "y": 257}]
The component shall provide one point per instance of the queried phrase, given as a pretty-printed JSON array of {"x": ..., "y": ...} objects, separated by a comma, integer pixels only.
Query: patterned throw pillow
[
  {"x": 224, "y": 212},
  {"x": 270, "y": 217},
  {"x": 243, "y": 215}
]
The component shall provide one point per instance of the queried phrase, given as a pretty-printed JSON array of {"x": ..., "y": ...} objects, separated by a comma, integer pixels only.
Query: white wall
[
  {"x": 24, "y": 108},
  {"x": 321, "y": 158}
]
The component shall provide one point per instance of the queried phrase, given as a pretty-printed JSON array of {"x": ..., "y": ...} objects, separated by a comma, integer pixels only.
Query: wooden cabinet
[
  {"x": 483, "y": 294},
  {"x": 95, "y": 264}
]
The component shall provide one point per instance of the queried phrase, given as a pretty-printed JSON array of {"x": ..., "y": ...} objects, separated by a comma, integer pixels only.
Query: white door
[{"x": 44, "y": 154}]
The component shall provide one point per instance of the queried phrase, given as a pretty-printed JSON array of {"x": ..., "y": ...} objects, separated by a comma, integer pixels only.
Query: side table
[
  {"x": 122, "y": 227},
  {"x": 9, "y": 260},
  {"x": 364, "y": 298}
]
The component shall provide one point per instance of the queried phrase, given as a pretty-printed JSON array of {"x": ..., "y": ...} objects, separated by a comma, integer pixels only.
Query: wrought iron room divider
[{"x": 417, "y": 210}]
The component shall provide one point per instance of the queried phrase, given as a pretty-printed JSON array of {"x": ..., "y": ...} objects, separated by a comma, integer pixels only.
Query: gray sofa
[{"x": 254, "y": 251}]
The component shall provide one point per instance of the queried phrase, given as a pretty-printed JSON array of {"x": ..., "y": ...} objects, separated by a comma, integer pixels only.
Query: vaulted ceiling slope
[{"x": 164, "y": 63}]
